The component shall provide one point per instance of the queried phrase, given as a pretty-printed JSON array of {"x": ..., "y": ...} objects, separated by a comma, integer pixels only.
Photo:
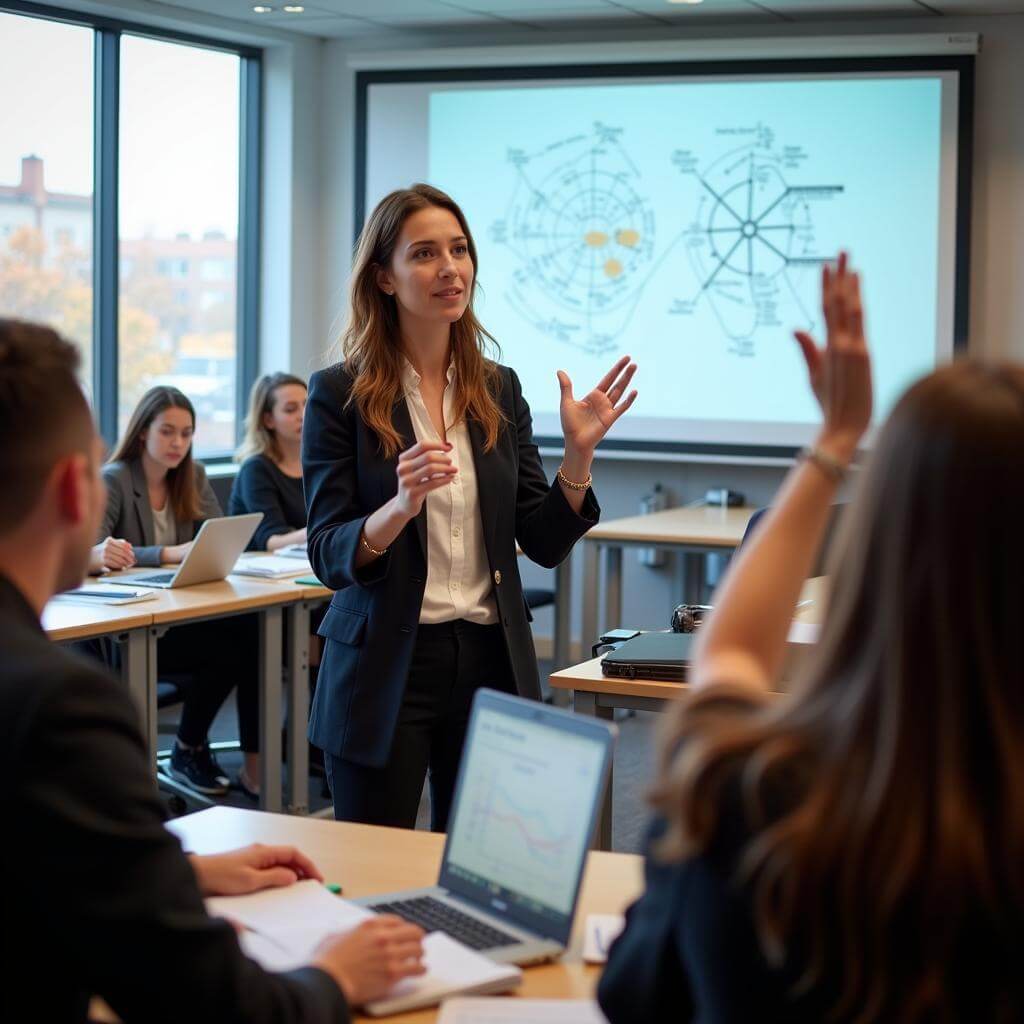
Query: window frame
[{"x": 105, "y": 233}]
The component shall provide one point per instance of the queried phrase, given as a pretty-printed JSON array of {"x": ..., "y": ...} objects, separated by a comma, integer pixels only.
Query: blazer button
[
  {"x": 405, "y": 629},
  {"x": 497, "y": 576}
]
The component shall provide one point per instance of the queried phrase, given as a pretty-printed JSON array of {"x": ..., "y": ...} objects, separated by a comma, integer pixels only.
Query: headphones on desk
[{"x": 687, "y": 617}]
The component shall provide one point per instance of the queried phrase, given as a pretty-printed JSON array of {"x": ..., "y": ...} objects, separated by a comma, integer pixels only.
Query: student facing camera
[{"x": 157, "y": 498}]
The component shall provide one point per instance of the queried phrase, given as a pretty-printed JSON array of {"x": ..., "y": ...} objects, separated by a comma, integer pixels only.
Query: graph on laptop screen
[{"x": 523, "y": 815}]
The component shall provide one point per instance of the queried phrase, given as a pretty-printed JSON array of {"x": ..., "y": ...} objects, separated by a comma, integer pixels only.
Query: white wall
[{"x": 997, "y": 264}]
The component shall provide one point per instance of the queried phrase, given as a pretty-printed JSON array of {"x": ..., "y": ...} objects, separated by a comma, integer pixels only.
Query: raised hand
[
  {"x": 585, "y": 421},
  {"x": 840, "y": 372}
]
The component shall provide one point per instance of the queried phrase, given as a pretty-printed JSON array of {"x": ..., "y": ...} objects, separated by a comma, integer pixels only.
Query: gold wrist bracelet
[
  {"x": 572, "y": 484},
  {"x": 369, "y": 547}
]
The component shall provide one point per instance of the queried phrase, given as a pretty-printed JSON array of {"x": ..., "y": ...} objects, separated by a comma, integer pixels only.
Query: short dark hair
[{"x": 43, "y": 413}]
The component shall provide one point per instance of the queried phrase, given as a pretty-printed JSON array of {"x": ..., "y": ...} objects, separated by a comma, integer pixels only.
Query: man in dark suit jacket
[{"x": 99, "y": 898}]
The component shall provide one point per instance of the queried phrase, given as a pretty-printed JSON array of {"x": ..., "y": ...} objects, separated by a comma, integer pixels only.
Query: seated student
[
  {"x": 99, "y": 898},
  {"x": 270, "y": 477},
  {"x": 157, "y": 497},
  {"x": 854, "y": 850}
]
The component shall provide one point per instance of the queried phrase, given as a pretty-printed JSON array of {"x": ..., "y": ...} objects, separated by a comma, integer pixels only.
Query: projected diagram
[
  {"x": 583, "y": 235},
  {"x": 752, "y": 242}
]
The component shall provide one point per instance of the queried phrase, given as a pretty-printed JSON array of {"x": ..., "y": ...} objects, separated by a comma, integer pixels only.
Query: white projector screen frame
[{"x": 399, "y": 155}]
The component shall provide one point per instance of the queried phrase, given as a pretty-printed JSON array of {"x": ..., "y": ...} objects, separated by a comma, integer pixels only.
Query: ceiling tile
[
  {"x": 818, "y": 8},
  {"x": 978, "y": 6}
]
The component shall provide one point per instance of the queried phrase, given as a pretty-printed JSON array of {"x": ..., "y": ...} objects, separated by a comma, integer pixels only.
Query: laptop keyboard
[
  {"x": 436, "y": 916},
  {"x": 158, "y": 577}
]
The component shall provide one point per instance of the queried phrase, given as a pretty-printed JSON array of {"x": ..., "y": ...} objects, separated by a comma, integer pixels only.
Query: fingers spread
[{"x": 606, "y": 381}]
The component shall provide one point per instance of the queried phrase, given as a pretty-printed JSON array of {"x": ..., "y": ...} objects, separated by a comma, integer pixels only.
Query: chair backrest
[{"x": 821, "y": 560}]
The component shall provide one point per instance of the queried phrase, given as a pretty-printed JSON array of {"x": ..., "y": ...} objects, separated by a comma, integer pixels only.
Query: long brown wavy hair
[
  {"x": 370, "y": 341},
  {"x": 259, "y": 438},
  {"x": 900, "y": 749},
  {"x": 181, "y": 481}
]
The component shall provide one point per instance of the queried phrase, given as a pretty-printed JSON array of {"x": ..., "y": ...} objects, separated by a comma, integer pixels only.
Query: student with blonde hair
[
  {"x": 853, "y": 851},
  {"x": 269, "y": 479}
]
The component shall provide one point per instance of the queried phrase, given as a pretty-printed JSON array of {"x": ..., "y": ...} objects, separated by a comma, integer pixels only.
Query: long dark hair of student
[
  {"x": 181, "y": 481},
  {"x": 259, "y": 438},
  {"x": 903, "y": 739},
  {"x": 370, "y": 341}
]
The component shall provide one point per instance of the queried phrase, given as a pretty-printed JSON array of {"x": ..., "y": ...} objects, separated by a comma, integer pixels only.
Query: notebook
[
  {"x": 281, "y": 929},
  {"x": 110, "y": 595},
  {"x": 270, "y": 567}
]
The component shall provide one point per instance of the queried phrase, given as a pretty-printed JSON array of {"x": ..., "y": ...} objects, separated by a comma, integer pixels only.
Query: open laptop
[
  {"x": 212, "y": 556},
  {"x": 526, "y": 804}
]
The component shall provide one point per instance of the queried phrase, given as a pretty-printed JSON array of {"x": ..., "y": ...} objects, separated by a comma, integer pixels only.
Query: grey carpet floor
[{"x": 634, "y": 760}]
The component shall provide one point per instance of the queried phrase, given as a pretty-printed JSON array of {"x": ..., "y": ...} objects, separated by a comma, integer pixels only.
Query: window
[
  {"x": 179, "y": 175},
  {"x": 148, "y": 268},
  {"x": 46, "y": 177}
]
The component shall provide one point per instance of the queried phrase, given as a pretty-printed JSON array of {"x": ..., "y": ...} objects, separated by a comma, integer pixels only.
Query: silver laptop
[
  {"x": 212, "y": 556},
  {"x": 525, "y": 809}
]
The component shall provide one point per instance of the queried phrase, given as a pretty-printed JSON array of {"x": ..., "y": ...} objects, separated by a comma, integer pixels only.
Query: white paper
[
  {"x": 112, "y": 594},
  {"x": 520, "y": 1011},
  {"x": 599, "y": 932},
  {"x": 283, "y": 927},
  {"x": 271, "y": 566}
]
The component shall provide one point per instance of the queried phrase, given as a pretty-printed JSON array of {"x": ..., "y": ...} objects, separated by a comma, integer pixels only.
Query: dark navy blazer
[{"x": 370, "y": 627}]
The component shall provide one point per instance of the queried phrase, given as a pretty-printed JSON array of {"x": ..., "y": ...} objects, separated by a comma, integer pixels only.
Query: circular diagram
[{"x": 583, "y": 235}]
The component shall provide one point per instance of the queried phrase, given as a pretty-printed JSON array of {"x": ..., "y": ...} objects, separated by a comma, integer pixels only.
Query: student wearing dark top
[
  {"x": 854, "y": 850},
  {"x": 157, "y": 498},
  {"x": 270, "y": 477},
  {"x": 99, "y": 898}
]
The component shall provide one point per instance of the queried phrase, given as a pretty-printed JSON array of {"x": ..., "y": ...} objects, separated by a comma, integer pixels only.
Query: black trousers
[
  {"x": 451, "y": 661},
  {"x": 208, "y": 660}
]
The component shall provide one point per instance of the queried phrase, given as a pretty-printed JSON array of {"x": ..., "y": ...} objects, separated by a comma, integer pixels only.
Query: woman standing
[
  {"x": 157, "y": 498},
  {"x": 421, "y": 474}
]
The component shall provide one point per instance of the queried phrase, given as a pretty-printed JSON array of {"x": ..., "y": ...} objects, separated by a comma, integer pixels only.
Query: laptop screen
[{"x": 529, "y": 787}]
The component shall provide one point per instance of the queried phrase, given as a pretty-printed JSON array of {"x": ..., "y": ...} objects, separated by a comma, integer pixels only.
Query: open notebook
[{"x": 282, "y": 928}]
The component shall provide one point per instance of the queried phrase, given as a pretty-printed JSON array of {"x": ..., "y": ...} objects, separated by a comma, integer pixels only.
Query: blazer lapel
[
  {"x": 488, "y": 486},
  {"x": 402, "y": 422},
  {"x": 143, "y": 509}
]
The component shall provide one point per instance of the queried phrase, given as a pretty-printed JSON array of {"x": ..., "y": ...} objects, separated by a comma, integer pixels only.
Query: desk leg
[
  {"x": 693, "y": 577},
  {"x": 612, "y": 587},
  {"x": 591, "y": 556},
  {"x": 563, "y": 622},
  {"x": 271, "y": 622},
  {"x": 298, "y": 708},
  {"x": 586, "y": 704},
  {"x": 153, "y": 634},
  {"x": 135, "y": 675}
]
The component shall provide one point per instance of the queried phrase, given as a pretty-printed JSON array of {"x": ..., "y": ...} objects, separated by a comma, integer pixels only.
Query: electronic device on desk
[
  {"x": 661, "y": 656},
  {"x": 212, "y": 556},
  {"x": 523, "y": 815}
]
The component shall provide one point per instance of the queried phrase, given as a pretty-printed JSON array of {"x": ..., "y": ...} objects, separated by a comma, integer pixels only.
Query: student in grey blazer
[{"x": 157, "y": 497}]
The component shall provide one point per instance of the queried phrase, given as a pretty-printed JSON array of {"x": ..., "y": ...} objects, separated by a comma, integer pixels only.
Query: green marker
[{"x": 333, "y": 887}]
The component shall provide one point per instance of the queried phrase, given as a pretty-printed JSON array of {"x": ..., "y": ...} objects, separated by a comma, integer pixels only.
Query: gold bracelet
[
  {"x": 572, "y": 484},
  {"x": 828, "y": 464},
  {"x": 369, "y": 547}
]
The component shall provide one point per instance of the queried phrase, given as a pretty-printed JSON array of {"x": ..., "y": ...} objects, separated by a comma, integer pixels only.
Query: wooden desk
[
  {"x": 65, "y": 622},
  {"x": 693, "y": 531},
  {"x": 366, "y": 859},
  {"x": 592, "y": 693}
]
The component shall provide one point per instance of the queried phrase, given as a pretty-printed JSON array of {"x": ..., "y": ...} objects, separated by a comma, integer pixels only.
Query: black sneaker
[{"x": 198, "y": 768}]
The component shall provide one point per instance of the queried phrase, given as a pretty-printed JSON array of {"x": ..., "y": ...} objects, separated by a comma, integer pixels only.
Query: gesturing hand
[
  {"x": 367, "y": 961},
  {"x": 423, "y": 468},
  {"x": 250, "y": 869},
  {"x": 587, "y": 420},
  {"x": 840, "y": 373}
]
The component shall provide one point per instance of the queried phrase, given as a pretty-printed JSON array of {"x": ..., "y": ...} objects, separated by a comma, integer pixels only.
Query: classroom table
[
  {"x": 367, "y": 859},
  {"x": 67, "y": 621},
  {"x": 693, "y": 532},
  {"x": 593, "y": 693},
  {"x": 140, "y": 626}
]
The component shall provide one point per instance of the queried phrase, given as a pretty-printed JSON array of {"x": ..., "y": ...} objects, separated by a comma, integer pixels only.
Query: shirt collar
[
  {"x": 410, "y": 378},
  {"x": 12, "y": 599}
]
